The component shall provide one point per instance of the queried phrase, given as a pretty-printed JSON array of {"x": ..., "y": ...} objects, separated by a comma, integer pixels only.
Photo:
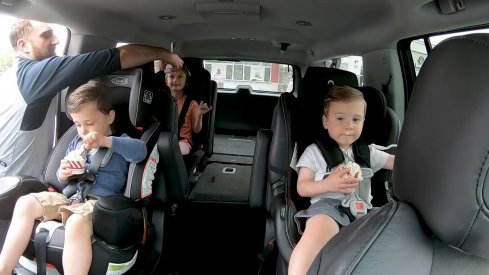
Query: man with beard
[{"x": 28, "y": 107}]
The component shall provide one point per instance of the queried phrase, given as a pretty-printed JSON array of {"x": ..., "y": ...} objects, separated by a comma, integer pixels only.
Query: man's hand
[{"x": 173, "y": 59}]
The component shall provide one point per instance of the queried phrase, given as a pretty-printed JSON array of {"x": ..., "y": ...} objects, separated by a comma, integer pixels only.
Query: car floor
[{"x": 216, "y": 232}]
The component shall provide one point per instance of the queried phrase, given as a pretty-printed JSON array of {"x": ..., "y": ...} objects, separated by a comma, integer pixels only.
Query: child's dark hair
[
  {"x": 92, "y": 91},
  {"x": 342, "y": 94}
]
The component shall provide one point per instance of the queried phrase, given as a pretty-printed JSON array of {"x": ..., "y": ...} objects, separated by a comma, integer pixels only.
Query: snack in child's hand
[
  {"x": 355, "y": 170},
  {"x": 77, "y": 159}
]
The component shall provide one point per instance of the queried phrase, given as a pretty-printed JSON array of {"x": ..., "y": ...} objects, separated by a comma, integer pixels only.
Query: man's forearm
[{"x": 134, "y": 55}]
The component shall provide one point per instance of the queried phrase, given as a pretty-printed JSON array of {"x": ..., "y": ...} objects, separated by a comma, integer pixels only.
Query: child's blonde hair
[{"x": 342, "y": 94}]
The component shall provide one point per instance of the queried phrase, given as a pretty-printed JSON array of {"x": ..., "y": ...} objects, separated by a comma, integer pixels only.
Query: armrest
[
  {"x": 118, "y": 221},
  {"x": 12, "y": 188}
]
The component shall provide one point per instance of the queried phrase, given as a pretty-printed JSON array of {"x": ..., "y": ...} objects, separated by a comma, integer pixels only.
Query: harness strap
[
  {"x": 40, "y": 248},
  {"x": 333, "y": 155},
  {"x": 183, "y": 114},
  {"x": 101, "y": 156}
]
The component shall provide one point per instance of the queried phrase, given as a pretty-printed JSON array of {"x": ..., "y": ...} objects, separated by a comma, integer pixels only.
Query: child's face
[
  {"x": 344, "y": 122},
  {"x": 90, "y": 119},
  {"x": 176, "y": 79}
]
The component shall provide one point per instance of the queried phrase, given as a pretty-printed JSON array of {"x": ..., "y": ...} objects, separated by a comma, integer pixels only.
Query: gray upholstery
[
  {"x": 259, "y": 170},
  {"x": 440, "y": 224},
  {"x": 448, "y": 114}
]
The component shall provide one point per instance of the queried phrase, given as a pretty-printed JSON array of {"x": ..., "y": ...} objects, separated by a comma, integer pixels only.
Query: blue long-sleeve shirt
[{"x": 111, "y": 179}]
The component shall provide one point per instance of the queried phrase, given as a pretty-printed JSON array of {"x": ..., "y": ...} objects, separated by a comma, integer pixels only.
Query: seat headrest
[
  {"x": 320, "y": 78},
  {"x": 374, "y": 128},
  {"x": 126, "y": 88},
  {"x": 442, "y": 159},
  {"x": 314, "y": 88},
  {"x": 126, "y": 91}
]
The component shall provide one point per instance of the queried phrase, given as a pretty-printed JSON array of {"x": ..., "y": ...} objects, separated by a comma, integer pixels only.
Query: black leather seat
[
  {"x": 296, "y": 121},
  {"x": 381, "y": 127},
  {"x": 440, "y": 222},
  {"x": 125, "y": 216}
]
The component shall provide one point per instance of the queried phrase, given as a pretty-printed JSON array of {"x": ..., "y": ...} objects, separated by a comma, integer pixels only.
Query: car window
[
  {"x": 352, "y": 63},
  {"x": 261, "y": 76},
  {"x": 421, "y": 47},
  {"x": 7, "y": 53}
]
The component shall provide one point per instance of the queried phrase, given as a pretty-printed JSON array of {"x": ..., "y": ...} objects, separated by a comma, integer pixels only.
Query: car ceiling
[{"x": 254, "y": 29}]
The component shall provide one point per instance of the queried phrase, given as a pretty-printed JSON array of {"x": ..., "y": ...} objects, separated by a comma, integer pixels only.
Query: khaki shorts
[{"x": 55, "y": 207}]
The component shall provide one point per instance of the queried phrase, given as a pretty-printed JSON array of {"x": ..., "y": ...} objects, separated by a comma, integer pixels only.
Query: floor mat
[{"x": 223, "y": 182}]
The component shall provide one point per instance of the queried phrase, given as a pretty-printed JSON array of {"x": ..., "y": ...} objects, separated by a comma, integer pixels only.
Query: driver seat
[{"x": 439, "y": 223}]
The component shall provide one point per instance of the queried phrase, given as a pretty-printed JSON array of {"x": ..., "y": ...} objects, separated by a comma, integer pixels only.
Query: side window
[
  {"x": 350, "y": 63},
  {"x": 420, "y": 48},
  {"x": 7, "y": 52}
]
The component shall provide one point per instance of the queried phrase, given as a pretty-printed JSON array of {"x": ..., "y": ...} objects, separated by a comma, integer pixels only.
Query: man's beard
[{"x": 39, "y": 54}]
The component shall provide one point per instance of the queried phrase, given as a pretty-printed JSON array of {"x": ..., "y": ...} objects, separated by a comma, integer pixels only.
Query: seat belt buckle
[{"x": 358, "y": 208}]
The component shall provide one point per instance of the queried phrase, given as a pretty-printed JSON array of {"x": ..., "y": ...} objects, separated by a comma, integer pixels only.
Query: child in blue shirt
[{"x": 91, "y": 111}]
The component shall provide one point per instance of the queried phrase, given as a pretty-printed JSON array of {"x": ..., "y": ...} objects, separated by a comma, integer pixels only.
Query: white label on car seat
[
  {"x": 117, "y": 269},
  {"x": 149, "y": 173},
  {"x": 148, "y": 96}
]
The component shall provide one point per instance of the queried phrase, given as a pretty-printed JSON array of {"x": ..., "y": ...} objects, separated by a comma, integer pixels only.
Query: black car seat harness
[
  {"x": 357, "y": 203},
  {"x": 77, "y": 192}
]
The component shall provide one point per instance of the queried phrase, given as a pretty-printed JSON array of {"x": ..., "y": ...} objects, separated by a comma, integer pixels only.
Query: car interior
[{"x": 265, "y": 67}]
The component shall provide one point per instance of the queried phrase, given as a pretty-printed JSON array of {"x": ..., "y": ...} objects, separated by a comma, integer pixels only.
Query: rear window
[
  {"x": 351, "y": 63},
  {"x": 261, "y": 76}
]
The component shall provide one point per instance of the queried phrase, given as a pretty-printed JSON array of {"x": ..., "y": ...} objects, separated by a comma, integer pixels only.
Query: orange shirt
[{"x": 186, "y": 130}]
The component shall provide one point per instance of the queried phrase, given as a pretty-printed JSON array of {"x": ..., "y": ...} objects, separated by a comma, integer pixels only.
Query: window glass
[
  {"x": 261, "y": 76},
  {"x": 7, "y": 53},
  {"x": 419, "y": 49},
  {"x": 418, "y": 53},
  {"x": 350, "y": 63}
]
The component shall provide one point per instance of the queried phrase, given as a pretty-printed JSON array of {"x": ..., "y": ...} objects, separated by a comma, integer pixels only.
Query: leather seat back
[{"x": 440, "y": 223}]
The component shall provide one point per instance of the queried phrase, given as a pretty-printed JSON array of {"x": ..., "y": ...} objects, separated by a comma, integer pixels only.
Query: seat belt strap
[
  {"x": 101, "y": 156},
  {"x": 183, "y": 114},
  {"x": 40, "y": 248}
]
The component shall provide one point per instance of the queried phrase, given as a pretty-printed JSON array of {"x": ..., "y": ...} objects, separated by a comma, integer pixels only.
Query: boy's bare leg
[
  {"x": 77, "y": 252},
  {"x": 27, "y": 210},
  {"x": 319, "y": 230}
]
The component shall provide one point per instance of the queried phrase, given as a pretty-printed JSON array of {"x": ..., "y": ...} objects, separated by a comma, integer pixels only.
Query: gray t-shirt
[{"x": 313, "y": 159}]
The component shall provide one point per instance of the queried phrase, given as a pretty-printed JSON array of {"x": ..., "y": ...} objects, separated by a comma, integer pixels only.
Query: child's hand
[
  {"x": 340, "y": 182},
  {"x": 203, "y": 108},
  {"x": 95, "y": 140},
  {"x": 64, "y": 170}
]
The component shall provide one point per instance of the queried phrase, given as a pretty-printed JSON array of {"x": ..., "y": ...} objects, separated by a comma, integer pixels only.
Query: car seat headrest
[
  {"x": 126, "y": 91},
  {"x": 319, "y": 78},
  {"x": 374, "y": 128},
  {"x": 442, "y": 159},
  {"x": 314, "y": 88}
]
